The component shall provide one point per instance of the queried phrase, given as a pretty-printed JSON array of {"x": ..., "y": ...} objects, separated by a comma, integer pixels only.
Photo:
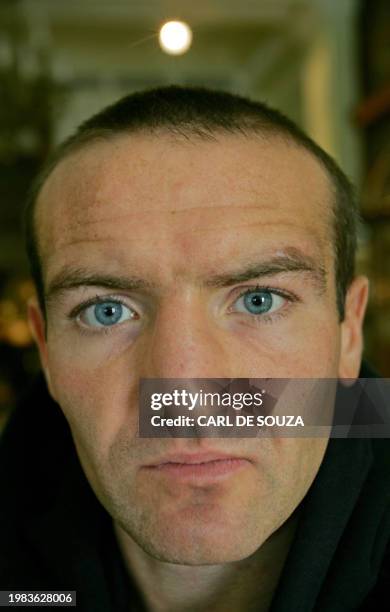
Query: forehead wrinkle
[
  {"x": 87, "y": 241},
  {"x": 244, "y": 224},
  {"x": 319, "y": 245},
  {"x": 250, "y": 225},
  {"x": 194, "y": 231},
  {"x": 172, "y": 211},
  {"x": 320, "y": 242}
]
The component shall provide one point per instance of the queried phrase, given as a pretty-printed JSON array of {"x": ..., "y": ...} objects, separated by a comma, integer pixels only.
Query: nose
[{"x": 185, "y": 341}]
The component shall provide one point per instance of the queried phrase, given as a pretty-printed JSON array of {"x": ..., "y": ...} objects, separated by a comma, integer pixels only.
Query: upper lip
[{"x": 193, "y": 458}]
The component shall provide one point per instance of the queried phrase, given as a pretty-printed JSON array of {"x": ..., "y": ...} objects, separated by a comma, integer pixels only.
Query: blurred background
[{"x": 325, "y": 63}]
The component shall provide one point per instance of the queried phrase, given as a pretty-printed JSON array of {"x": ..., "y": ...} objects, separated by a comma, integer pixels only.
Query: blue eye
[
  {"x": 106, "y": 314},
  {"x": 258, "y": 302}
]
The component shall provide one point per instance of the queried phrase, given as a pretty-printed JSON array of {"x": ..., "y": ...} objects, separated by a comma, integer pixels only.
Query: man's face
[{"x": 159, "y": 231}]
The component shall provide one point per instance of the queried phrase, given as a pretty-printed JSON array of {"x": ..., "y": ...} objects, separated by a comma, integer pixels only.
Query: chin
[
  {"x": 196, "y": 543},
  {"x": 196, "y": 552}
]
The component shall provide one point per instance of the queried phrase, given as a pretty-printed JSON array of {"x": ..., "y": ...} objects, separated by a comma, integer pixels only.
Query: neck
[{"x": 240, "y": 586}]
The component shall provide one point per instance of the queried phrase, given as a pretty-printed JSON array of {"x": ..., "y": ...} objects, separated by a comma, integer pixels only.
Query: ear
[
  {"x": 37, "y": 325},
  {"x": 352, "y": 328}
]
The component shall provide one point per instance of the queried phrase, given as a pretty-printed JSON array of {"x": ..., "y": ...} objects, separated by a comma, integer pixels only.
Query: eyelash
[
  {"x": 98, "y": 299},
  {"x": 258, "y": 319},
  {"x": 269, "y": 318}
]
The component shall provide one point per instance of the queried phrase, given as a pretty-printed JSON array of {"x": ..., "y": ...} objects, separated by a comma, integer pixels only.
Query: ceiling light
[{"x": 175, "y": 37}]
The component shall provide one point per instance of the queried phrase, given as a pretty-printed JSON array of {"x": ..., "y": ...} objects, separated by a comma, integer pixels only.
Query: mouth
[{"x": 205, "y": 466}]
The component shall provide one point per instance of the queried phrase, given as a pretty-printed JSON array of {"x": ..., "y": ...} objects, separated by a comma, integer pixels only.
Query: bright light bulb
[{"x": 175, "y": 37}]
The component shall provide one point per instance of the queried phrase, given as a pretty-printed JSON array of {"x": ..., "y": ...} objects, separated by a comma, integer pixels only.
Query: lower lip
[{"x": 209, "y": 469}]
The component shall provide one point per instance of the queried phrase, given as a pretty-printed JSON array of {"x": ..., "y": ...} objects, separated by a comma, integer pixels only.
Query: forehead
[{"x": 146, "y": 192}]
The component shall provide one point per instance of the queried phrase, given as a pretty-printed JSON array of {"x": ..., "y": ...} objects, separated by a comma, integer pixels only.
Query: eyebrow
[
  {"x": 293, "y": 260},
  {"x": 75, "y": 278}
]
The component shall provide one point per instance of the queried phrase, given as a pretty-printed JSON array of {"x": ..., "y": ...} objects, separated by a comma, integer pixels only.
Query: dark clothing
[{"x": 55, "y": 535}]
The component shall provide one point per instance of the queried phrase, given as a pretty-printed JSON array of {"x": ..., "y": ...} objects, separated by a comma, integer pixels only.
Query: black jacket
[{"x": 55, "y": 535}]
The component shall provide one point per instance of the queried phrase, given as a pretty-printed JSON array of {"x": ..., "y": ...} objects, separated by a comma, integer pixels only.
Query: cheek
[
  {"x": 298, "y": 463},
  {"x": 97, "y": 401},
  {"x": 309, "y": 348}
]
